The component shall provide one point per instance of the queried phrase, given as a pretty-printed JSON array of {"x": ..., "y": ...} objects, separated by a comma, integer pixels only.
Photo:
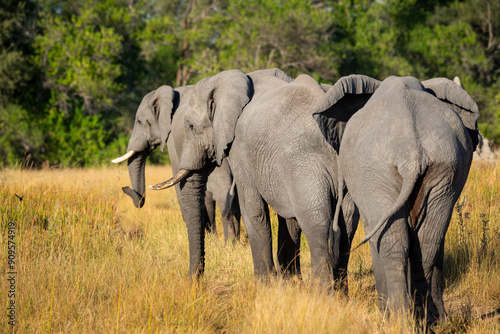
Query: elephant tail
[
  {"x": 334, "y": 235},
  {"x": 404, "y": 195}
]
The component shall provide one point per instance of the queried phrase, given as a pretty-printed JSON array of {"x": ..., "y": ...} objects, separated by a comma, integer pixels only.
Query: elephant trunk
[
  {"x": 136, "y": 169},
  {"x": 192, "y": 193}
]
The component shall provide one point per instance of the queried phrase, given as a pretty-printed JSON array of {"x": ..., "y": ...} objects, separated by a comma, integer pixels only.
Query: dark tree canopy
[{"x": 73, "y": 73}]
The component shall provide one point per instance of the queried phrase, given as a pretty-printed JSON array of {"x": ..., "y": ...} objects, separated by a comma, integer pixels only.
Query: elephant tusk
[
  {"x": 458, "y": 81},
  {"x": 181, "y": 175},
  {"x": 127, "y": 156}
]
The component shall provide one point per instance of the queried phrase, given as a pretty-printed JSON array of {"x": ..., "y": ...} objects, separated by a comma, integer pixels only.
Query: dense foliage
[{"x": 73, "y": 73}]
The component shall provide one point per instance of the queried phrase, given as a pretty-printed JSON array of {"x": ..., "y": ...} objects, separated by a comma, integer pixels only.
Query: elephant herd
[{"x": 394, "y": 153}]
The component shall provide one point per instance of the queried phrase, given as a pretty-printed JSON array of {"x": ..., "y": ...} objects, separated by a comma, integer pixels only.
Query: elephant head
[
  {"x": 273, "y": 72},
  {"x": 215, "y": 105},
  {"x": 151, "y": 129}
]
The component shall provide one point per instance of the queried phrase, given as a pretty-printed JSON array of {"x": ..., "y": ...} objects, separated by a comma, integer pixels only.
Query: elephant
[
  {"x": 263, "y": 126},
  {"x": 404, "y": 158},
  {"x": 220, "y": 184},
  {"x": 160, "y": 119}
]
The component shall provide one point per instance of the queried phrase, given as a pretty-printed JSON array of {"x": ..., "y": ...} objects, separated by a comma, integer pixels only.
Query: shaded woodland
[{"x": 73, "y": 73}]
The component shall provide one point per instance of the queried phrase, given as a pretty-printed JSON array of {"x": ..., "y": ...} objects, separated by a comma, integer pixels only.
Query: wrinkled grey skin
[
  {"x": 404, "y": 158},
  {"x": 219, "y": 185},
  {"x": 278, "y": 156},
  {"x": 159, "y": 117}
]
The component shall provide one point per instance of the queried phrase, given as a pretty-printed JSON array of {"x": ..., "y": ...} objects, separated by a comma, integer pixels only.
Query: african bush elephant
[
  {"x": 404, "y": 157},
  {"x": 160, "y": 119},
  {"x": 278, "y": 156}
]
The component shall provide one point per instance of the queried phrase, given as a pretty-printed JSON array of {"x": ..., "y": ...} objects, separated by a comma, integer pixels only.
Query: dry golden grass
[{"x": 88, "y": 261}]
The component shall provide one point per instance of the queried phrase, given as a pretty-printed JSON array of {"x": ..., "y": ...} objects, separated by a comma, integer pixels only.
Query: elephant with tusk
[
  {"x": 263, "y": 126},
  {"x": 161, "y": 118}
]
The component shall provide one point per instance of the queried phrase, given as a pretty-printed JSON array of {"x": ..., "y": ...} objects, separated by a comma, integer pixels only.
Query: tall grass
[{"x": 88, "y": 261}]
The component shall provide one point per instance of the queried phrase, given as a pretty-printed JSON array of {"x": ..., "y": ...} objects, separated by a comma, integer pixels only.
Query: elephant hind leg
[
  {"x": 390, "y": 250},
  {"x": 255, "y": 214},
  {"x": 313, "y": 211},
  {"x": 289, "y": 233},
  {"x": 315, "y": 225},
  {"x": 348, "y": 224},
  {"x": 427, "y": 255}
]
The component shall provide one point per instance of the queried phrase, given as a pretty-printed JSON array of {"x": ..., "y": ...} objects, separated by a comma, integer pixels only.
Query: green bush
[
  {"x": 75, "y": 139},
  {"x": 21, "y": 138}
]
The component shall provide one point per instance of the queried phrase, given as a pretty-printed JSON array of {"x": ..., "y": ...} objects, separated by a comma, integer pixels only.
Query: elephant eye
[{"x": 139, "y": 122}]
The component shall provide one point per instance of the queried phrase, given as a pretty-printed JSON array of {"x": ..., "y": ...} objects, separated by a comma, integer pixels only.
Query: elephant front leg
[{"x": 289, "y": 234}]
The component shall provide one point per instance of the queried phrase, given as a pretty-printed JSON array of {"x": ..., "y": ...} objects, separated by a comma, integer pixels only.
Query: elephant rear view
[{"x": 404, "y": 158}]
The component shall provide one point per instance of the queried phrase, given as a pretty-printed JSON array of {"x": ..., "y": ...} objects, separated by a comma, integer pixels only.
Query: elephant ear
[
  {"x": 325, "y": 87},
  {"x": 223, "y": 96},
  {"x": 274, "y": 72},
  {"x": 452, "y": 93},
  {"x": 163, "y": 106},
  {"x": 340, "y": 102}
]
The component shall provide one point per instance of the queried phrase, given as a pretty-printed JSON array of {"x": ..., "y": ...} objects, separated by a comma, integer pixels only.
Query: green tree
[
  {"x": 79, "y": 59},
  {"x": 76, "y": 139},
  {"x": 293, "y": 35},
  {"x": 463, "y": 38},
  {"x": 21, "y": 138},
  {"x": 14, "y": 40}
]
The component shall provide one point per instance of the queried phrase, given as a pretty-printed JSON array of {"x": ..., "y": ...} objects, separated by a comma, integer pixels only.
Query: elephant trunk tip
[{"x": 137, "y": 198}]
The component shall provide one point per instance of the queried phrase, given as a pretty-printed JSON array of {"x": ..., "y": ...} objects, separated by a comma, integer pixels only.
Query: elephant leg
[
  {"x": 255, "y": 213},
  {"x": 234, "y": 231},
  {"x": 390, "y": 251},
  {"x": 427, "y": 280},
  {"x": 231, "y": 220},
  {"x": 427, "y": 255},
  {"x": 210, "y": 211},
  {"x": 315, "y": 225},
  {"x": 314, "y": 213},
  {"x": 437, "y": 284},
  {"x": 348, "y": 224},
  {"x": 289, "y": 233},
  {"x": 379, "y": 272}
]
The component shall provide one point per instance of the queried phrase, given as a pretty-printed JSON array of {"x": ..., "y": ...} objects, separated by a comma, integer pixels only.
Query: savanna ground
[{"x": 88, "y": 261}]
